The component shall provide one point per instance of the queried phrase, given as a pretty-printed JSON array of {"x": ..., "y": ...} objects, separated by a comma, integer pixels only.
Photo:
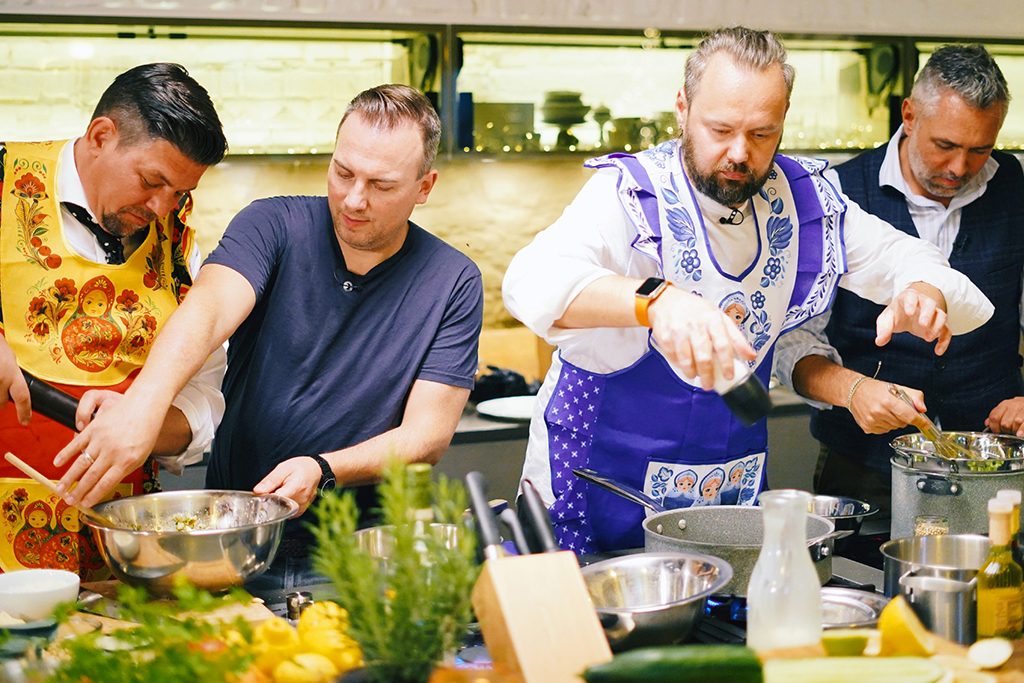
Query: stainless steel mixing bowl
[
  {"x": 653, "y": 598},
  {"x": 215, "y": 539}
]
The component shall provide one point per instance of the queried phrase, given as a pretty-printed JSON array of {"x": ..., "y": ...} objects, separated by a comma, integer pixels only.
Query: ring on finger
[{"x": 88, "y": 458}]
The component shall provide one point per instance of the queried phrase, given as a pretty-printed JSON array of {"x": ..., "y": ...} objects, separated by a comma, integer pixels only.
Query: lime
[{"x": 847, "y": 642}]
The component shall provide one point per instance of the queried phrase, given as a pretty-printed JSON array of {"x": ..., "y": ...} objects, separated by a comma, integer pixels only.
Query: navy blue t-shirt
[{"x": 326, "y": 358}]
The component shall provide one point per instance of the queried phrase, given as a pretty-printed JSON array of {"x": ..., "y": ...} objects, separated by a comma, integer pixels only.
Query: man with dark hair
[
  {"x": 353, "y": 332},
  {"x": 938, "y": 178},
  {"x": 676, "y": 265},
  {"x": 94, "y": 257}
]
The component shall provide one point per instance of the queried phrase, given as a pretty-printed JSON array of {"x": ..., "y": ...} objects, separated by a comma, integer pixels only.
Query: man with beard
[
  {"x": 730, "y": 224},
  {"x": 353, "y": 333},
  {"x": 95, "y": 255},
  {"x": 937, "y": 178}
]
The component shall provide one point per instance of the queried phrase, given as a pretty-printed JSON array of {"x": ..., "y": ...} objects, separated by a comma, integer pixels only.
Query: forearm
[
  {"x": 175, "y": 434},
  {"x": 182, "y": 346},
  {"x": 607, "y": 302},
  {"x": 431, "y": 417},
  {"x": 215, "y": 307},
  {"x": 820, "y": 379}
]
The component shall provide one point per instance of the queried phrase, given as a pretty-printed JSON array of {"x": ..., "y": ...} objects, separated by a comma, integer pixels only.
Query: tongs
[{"x": 944, "y": 446}]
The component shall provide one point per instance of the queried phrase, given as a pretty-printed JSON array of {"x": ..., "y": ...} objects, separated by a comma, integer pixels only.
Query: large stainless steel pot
[
  {"x": 733, "y": 533},
  {"x": 936, "y": 574},
  {"x": 924, "y": 483}
]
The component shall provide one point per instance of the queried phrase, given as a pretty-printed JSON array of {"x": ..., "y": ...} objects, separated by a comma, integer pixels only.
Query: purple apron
[{"x": 646, "y": 426}]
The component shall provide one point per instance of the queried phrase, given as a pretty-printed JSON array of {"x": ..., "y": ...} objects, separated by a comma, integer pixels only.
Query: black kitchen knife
[
  {"x": 486, "y": 523},
  {"x": 539, "y": 521},
  {"x": 512, "y": 522}
]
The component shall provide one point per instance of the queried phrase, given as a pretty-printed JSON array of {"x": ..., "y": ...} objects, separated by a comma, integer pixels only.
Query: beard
[
  {"x": 928, "y": 179},
  {"x": 119, "y": 227},
  {"x": 722, "y": 190}
]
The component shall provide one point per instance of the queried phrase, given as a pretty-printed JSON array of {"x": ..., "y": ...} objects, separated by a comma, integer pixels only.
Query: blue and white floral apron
[{"x": 647, "y": 425}]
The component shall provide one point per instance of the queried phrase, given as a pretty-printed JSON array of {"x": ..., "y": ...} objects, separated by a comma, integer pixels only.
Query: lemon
[
  {"x": 323, "y": 613},
  {"x": 343, "y": 652},
  {"x": 902, "y": 633},
  {"x": 274, "y": 641},
  {"x": 847, "y": 642},
  {"x": 306, "y": 667}
]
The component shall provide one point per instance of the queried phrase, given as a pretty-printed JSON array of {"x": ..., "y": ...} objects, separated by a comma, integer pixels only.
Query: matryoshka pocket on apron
[{"x": 682, "y": 485}]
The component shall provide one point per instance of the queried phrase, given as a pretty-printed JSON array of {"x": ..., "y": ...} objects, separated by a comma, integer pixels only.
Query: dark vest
[{"x": 980, "y": 368}]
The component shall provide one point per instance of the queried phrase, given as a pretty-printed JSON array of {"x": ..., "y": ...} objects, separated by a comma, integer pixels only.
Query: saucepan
[{"x": 731, "y": 532}]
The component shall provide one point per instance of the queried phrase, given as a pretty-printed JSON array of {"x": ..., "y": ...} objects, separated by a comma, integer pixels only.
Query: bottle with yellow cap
[{"x": 1000, "y": 579}]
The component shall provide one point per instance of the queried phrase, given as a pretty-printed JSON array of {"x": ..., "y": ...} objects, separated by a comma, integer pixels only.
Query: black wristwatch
[{"x": 327, "y": 480}]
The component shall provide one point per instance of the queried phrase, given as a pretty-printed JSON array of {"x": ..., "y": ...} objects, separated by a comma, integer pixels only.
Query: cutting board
[
  {"x": 1011, "y": 672},
  {"x": 253, "y": 612}
]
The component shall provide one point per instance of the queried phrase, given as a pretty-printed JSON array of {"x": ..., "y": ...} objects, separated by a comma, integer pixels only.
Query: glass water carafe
[{"x": 784, "y": 593}]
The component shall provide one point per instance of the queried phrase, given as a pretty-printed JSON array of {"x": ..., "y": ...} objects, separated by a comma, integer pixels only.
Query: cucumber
[
  {"x": 853, "y": 670},
  {"x": 680, "y": 664}
]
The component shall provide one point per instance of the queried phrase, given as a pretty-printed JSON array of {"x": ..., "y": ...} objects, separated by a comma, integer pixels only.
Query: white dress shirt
[
  {"x": 935, "y": 223},
  {"x": 201, "y": 400},
  {"x": 593, "y": 237}
]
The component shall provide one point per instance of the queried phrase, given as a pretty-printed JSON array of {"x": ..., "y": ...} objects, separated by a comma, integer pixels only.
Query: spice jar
[{"x": 931, "y": 525}]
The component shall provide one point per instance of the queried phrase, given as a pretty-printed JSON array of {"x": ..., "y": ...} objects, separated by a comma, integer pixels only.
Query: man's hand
[
  {"x": 696, "y": 335},
  {"x": 877, "y": 411},
  {"x": 1007, "y": 417},
  {"x": 117, "y": 439},
  {"x": 919, "y": 309},
  {"x": 297, "y": 478},
  {"x": 13, "y": 385}
]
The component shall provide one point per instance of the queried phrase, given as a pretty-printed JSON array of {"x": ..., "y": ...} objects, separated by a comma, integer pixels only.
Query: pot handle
[
  {"x": 910, "y": 582},
  {"x": 937, "y": 486},
  {"x": 823, "y": 548}
]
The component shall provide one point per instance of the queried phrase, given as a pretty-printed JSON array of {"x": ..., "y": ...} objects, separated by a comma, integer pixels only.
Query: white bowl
[{"x": 32, "y": 594}]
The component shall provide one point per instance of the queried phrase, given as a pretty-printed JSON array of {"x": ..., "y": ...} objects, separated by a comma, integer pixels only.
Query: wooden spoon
[{"x": 32, "y": 472}]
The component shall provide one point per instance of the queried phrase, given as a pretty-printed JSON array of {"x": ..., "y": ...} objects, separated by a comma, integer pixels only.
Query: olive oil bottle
[
  {"x": 1000, "y": 579},
  {"x": 1013, "y": 496}
]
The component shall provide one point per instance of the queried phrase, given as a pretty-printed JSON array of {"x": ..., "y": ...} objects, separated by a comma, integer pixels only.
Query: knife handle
[
  {"x": 540, "y": 520},
  {"x": 51, "y": 402},
  {"x": 486, "y": 523}
]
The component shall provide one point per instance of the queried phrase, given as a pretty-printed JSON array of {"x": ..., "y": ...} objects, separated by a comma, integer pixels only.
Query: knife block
[{"x": 537, "y": 618}]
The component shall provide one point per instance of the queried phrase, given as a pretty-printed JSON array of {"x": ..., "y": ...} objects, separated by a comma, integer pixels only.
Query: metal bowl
[
  {"x": 850, "y": 608},
  {"x": 653, "y": 598},
  {"x": 845, "y": 513},
  {"x": 215, "y": 539}
]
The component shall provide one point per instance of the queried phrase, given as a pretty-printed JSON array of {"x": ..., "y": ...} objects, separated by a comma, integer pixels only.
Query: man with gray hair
[
  {"x": 753, "y": 244},
  {"x": 353, "y": 333},
  {"x": 938, "y": 178}
]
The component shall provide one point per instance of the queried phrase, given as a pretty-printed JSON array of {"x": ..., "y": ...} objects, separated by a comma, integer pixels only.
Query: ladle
[{"x": 38, "y": 476}]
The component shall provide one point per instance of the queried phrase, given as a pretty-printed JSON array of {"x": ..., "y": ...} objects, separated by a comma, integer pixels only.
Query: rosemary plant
[{"x": 409, "y": 610}]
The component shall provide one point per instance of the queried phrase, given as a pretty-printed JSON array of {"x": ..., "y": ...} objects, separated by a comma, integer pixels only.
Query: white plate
[{"x": 510, "y": 408}]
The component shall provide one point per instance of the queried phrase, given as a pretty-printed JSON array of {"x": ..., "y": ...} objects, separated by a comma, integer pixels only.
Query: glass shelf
[
  {"x": 285, "y": 97},
  {"x": 543, "y": 92}
]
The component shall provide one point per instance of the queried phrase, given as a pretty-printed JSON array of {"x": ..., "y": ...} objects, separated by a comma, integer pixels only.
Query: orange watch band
[{"x": 642, "y": 302}]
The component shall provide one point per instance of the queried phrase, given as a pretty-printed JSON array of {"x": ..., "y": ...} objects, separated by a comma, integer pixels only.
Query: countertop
[{"x": 474, "y": 428}]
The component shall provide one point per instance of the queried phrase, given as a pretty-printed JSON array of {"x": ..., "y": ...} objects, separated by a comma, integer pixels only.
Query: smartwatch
[
  {"x": 327, "y": 479},
  {"x": 646, "y": 294}
]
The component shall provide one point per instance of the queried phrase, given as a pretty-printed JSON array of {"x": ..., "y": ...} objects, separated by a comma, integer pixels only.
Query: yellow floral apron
[{"x": 79, "y": 325}]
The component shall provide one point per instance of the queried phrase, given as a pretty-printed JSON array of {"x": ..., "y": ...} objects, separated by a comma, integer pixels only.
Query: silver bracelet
[{"x": 853, "y": 389}]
